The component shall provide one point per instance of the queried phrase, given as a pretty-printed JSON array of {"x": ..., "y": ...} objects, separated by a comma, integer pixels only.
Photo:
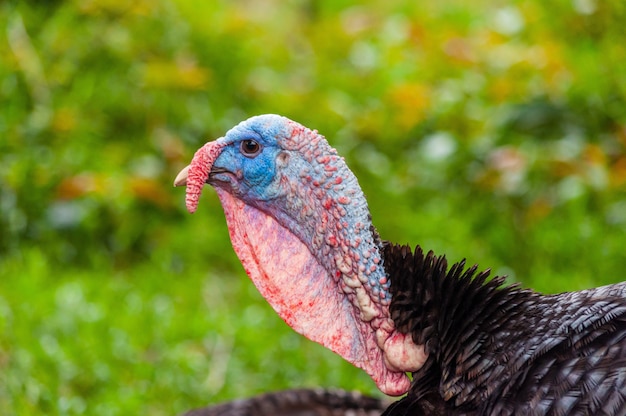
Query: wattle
[{"x": 302, "y": 292}]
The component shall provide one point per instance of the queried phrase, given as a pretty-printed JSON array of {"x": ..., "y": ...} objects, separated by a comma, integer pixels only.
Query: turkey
[
  {"x": 302, "y": 230},
  {"x": 299, "y": 402}
]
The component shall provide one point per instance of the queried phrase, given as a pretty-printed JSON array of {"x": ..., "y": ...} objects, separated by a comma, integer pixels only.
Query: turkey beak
[{"x": 181, "y": 178}]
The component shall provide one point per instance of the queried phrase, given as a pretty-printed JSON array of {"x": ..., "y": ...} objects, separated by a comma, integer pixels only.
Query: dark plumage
[
  {"x": 300, "y": 402},
  {"x": 505, "y": 350},
  {"x": 300, "y": 225}
]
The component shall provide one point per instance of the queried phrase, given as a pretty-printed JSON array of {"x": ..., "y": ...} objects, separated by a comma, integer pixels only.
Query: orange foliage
[
  {"x": 76, "y": 186},
  {"x": 618, "y": 173},
  {"x": 409, "y": 103},
  {"x": 150, "y": 190},
  {"x": 184, "y": 74}
]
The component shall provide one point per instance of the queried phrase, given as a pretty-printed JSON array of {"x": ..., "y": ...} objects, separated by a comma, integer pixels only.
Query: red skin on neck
[{"x": 303, "y": 288}]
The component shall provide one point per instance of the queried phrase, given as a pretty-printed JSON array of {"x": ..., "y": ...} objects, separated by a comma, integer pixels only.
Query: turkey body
[
  {"x": 301, "y": 226},
  {"x": 298, "y": 402},
  {"x": 497, "y": 350}
]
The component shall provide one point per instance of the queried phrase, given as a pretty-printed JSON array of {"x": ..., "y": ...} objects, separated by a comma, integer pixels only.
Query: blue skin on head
[
  {"x": 254, "y": 174},
  {"x": 258, "y": 180}
]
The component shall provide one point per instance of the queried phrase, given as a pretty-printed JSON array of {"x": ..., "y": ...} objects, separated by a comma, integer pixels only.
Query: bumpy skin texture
[
  {"x": 301, "y": 227},
  {"x": 497, "y": 350},
  {"x": 301, "y": 402}
]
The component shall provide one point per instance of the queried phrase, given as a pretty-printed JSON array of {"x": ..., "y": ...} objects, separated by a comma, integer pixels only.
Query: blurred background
[{"x": 492, "y": 130}]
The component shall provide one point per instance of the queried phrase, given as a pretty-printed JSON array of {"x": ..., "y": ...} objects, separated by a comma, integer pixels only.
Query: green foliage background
[{"x": 492, "y": 130}]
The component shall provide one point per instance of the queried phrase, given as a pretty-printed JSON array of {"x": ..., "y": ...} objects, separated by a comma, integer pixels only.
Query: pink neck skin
[
  {"x": 300, "y": 291},
  {"x": 302, "y": 288}
]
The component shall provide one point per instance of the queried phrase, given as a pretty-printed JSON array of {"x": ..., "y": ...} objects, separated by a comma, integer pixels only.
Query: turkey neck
[{"x": 326, "y": 209}]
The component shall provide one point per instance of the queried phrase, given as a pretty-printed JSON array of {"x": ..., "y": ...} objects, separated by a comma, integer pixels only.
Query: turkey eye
[{"x": 250, "y": 148}]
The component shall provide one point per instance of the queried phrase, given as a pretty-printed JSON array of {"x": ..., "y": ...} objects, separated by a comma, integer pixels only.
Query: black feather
[
  {"x": 503, "y": 350},
  {"x": 298, "y": 402}
]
